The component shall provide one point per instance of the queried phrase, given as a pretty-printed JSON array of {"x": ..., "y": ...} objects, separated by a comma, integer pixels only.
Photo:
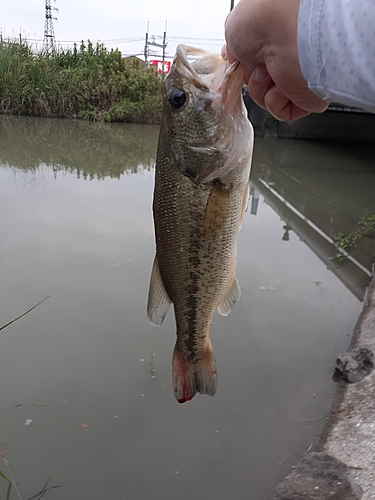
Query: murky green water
[{"x": 76, "y": 224}]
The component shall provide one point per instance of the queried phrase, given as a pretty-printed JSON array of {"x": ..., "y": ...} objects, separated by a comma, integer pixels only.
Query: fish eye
[{"x": 177, "y": 98}]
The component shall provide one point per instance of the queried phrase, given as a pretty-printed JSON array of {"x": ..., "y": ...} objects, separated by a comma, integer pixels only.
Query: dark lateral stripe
[{"x": 191, "y": 339}]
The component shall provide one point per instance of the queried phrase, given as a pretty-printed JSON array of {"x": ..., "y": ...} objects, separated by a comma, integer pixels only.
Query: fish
[{"x": 202, "y": 174}]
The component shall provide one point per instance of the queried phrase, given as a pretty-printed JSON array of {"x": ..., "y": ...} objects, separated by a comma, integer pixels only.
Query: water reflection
[
  {"x": 84, "y": 352},
  {"x": 315, "y": 207},
  {"x": 319, "y": 191},
  {"x": 89, "y": 150}
]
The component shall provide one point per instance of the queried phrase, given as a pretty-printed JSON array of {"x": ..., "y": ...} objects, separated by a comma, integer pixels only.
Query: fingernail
[{"x": 260, "y": 73}]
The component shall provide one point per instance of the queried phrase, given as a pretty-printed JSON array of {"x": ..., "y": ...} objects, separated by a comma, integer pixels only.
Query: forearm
[{"x": 336, "y": 50}]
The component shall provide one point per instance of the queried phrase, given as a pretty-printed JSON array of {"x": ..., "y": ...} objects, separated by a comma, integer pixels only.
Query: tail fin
[{"x": 192, "y": 376}]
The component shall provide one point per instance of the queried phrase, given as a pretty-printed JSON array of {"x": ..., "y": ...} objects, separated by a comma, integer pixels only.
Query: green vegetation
[
  {"x": 11, "y": 482},
  {"x": 9, "y": 490},
  {"x": 87, "y": 82},
  {"x": 346, "y": 243},
  {"x": 23, "y": 314}
]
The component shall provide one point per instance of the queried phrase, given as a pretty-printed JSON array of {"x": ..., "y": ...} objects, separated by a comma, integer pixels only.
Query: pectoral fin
[
  {"x": 158, "y": 299},
  {"x": 217, "y": 209},
  {"x": 232, "y": 297}
]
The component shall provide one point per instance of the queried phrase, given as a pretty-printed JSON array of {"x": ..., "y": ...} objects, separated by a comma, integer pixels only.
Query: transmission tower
[{"x": 49, "y": 44}]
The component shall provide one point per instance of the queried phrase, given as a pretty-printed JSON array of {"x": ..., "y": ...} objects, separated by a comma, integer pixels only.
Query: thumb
[{"x": 227, "y": 55}]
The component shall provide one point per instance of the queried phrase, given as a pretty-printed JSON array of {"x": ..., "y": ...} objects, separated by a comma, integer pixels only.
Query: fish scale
[{"x": 196, "y": 226}]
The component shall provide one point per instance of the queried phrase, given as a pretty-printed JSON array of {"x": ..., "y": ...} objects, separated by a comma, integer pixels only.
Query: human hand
[{"x": 262, "y": 35}]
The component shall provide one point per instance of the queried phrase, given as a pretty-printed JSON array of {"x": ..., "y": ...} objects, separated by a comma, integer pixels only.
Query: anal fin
[
  {"x": 158, "y": 300},
  {"x": 232, "y": 297}
]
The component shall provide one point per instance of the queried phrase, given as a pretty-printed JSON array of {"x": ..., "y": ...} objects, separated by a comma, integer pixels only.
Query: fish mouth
[
  {"x": 209, "y": 71},
  {"x": 206, "y": 71}
]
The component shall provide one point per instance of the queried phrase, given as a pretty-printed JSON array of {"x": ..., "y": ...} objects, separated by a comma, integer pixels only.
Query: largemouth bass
[{"x": 201, "y": 190}]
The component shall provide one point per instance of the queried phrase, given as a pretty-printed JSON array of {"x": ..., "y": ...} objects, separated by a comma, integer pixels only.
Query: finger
[
  {"x": 248, "y": 70},
  {"x": 227, "y": 55},
  {"x": 268, "y": 96},
  {"x": 259, "y": 84},
  {"x": 224, "y": 52},
  {"x": 281, "y": 107}
]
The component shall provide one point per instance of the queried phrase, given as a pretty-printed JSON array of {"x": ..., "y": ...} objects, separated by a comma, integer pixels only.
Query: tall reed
[{"x": 88, "y": 82}]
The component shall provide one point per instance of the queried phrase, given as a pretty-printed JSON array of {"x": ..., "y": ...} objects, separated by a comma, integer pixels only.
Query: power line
[
  {"x": 114, "y": 40},
  {"x": 195, "y": 38},
  {"x": 182, "y": 40}
]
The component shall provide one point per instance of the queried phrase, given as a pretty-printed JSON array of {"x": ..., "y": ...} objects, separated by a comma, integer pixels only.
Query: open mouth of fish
[{"x": 211, "y": 72}]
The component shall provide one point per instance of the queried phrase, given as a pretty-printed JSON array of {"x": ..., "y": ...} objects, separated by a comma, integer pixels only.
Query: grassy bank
[{"x": 87, "y": 82}]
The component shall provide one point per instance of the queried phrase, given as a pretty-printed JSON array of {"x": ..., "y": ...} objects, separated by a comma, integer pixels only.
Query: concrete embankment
[
  {"x": 343, "y": 465},
  {"x": 350, "y": 436}
]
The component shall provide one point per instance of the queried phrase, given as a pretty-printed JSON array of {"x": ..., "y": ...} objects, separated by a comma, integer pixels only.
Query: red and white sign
[{"x": 159, "y": 64}]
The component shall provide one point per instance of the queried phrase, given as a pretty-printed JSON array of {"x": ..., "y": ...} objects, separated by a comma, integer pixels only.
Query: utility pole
[
  {"x": 164, "y": 47},
  {"x": 49, "y": 44},
  {"x": 152, "y": 41},
  {"x": 146, "y": 44}
]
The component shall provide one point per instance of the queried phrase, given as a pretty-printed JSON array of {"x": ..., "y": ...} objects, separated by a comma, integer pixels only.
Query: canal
[{"x": 86, "y": 393}]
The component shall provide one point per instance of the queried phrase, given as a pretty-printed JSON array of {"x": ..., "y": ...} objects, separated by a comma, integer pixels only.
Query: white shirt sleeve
[{"x": 336, "y": 49}]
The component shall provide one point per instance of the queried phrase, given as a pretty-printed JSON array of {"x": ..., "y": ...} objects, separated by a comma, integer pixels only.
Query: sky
[{"x": 120, "y": 24}]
